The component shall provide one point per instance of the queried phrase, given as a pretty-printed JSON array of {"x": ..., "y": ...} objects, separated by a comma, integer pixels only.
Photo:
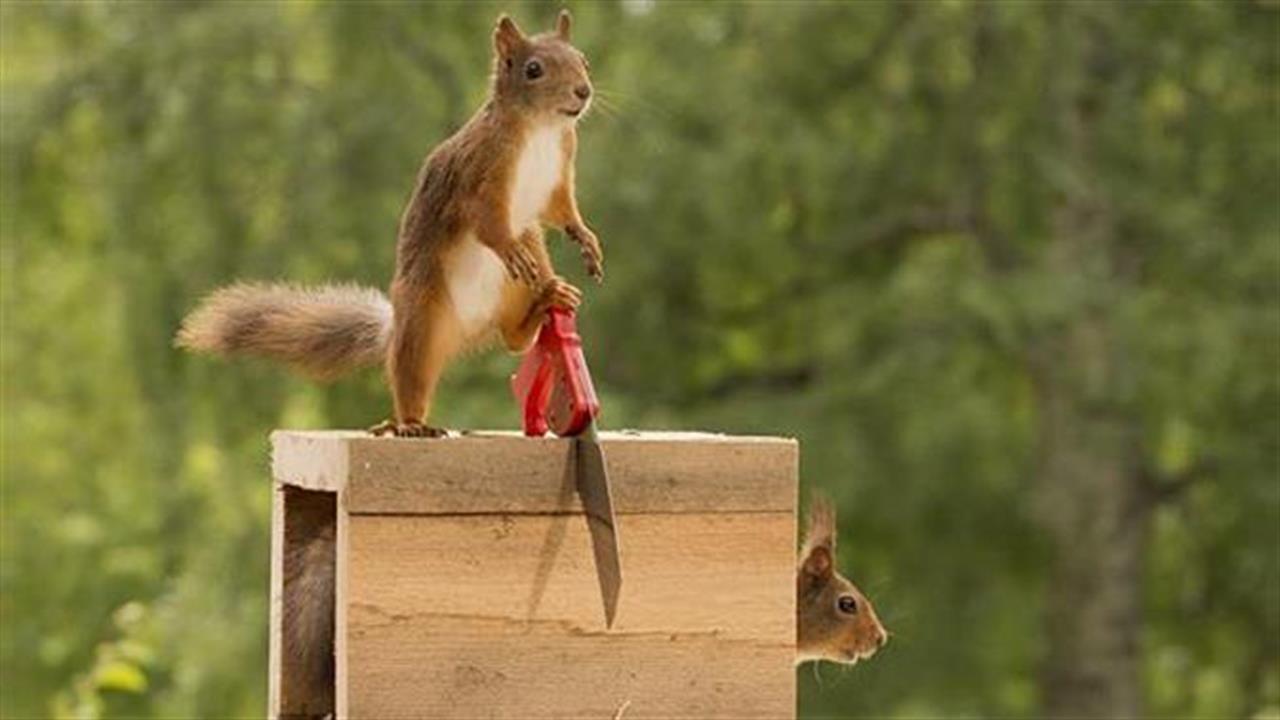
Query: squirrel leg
[
  {"x": 518, "y": 255},
  {"x": 592, "y": 254},
  {"x": 520, "y": 328},
  {"x": 524, "y": 309},
  {"x": 423, "y": 341},
  {"x": 562, "y": 212}
]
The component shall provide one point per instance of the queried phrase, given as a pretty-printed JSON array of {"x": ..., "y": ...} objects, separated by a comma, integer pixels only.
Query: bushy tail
[{"x": 321, "y": 332}]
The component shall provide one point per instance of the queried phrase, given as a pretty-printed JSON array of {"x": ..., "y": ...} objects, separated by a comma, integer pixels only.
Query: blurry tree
[{"x": 1010, "y": 271}]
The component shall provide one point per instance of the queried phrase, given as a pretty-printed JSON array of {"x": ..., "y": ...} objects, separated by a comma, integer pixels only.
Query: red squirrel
[
  {"x": 471, "y": 260},
  {"x": 834, "y": 620}
]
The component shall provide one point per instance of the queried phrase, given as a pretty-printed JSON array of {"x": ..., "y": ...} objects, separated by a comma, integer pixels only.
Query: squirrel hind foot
[{"x": 407, "y": 430}]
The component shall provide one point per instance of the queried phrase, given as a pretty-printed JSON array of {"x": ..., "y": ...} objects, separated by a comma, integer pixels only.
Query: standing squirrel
[
  {"x": 471, "y": 260},
  {"x": 834, "y": 620}
]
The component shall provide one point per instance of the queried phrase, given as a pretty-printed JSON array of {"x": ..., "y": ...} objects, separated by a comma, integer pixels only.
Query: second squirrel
[{"x": 834, "y": 620}]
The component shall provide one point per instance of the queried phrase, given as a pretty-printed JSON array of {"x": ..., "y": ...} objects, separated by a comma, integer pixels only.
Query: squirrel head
[
  {"x": 542, "y": 76},
  {"x": 834, "y": 620}
]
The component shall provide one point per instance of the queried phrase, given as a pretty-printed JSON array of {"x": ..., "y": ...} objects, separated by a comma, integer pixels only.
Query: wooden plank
[
  {"x": 341, "y": 629},
  {"x": 440, "y": 667},
  {"x": 676, "y": 570},
  {"x": 702, "y": 473},
  {"x": 275, "y": 665},
  {"x": 500, "y": 616},
  {"x": 461, "y": 475},
  {"x": 315, "y": 460},
  {"x": 506, "y": 473}
]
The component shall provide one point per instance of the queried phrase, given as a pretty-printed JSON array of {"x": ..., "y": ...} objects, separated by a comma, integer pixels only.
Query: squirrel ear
[
  {"x": 564, "y": 23},
  {"x": 820, "y": 542},
  {"x": 507, "y": 37},
  {"x": 822, "y": 522},
  {"x": 818, "y": 564}
]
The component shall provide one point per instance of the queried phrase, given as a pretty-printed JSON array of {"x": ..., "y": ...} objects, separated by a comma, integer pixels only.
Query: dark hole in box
[{"x": 307, "y": 615}]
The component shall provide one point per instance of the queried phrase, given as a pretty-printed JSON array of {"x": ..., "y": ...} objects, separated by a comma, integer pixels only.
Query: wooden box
[{"x": 466, "y": 587}]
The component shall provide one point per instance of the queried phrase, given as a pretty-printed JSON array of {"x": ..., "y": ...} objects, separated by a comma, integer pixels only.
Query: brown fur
[
  {"x": 463, "y": 190},
  {"x": 321, "y": 332},
  {"x": 308, "y": 621},
  {"x": 825, "y": 631},
  {"x": 465, "y": 187}
]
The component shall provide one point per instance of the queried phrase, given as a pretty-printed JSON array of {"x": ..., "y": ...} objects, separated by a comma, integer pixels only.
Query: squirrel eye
[
  {"x": 533, "y": 70},
  {"x": 847, "y": 604}
]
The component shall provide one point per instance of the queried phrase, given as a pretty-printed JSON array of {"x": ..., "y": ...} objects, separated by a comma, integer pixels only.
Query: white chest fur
[
  {"x": 537, "y": 174},
  {"x": 475, "y": 276}
]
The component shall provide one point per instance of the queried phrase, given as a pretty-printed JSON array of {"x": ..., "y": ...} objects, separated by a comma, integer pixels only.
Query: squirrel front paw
[
  {"x": 592, "y": 253},
  {"x": 520, "y": 262},
  {"x": 557, "y": 292}
]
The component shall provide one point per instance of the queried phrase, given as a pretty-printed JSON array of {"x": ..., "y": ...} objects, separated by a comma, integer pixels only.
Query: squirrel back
[{"x": 834, "y": 620}]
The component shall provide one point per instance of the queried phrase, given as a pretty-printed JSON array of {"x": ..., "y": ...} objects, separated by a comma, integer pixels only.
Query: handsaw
[{"x": 556, "y": 393}]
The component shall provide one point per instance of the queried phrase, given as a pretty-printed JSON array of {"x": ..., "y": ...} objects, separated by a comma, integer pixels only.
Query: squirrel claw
[
  {"x": 592, "y": 253},
  {"x": 409, "y": 429},
  {"x": 557, "y": 292},
  {"x": 594, "y": 268}
]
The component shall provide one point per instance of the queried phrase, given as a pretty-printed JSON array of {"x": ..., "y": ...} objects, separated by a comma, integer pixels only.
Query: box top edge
[{"x": 611, "y": 436}]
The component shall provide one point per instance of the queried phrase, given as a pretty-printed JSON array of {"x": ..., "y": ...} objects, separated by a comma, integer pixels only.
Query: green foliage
[{"x": 835, "y": 221}]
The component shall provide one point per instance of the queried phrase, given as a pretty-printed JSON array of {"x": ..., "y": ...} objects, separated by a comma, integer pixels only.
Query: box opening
[{"x": 307, "y": 611}]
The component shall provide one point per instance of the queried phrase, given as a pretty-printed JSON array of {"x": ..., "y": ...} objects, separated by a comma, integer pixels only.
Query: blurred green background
[{"x": 1010, "y": 271}]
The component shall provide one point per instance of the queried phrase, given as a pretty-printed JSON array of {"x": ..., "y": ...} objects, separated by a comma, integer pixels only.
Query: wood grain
[
  {"x": 500, "y": 616},
  {"x": 441, "y": 667},
  {"x": 275, "y": 664},
  {"x": 315, "y": 460}
]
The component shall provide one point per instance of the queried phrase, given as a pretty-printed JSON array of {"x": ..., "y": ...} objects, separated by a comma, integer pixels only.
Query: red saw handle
[{"x": 553, "y": 383}]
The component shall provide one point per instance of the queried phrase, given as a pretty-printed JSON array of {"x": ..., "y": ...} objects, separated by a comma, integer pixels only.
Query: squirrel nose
[
  {"x": 882, "y": 638},
  {"x": 582, "y": 91}
]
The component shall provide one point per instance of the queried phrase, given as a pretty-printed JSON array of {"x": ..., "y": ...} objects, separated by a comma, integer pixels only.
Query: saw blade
[{"x": 597, "y": 502}]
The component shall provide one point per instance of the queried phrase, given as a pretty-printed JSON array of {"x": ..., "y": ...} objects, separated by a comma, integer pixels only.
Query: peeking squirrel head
[
  {"x": 543, "y": 75},
  {"x": 834, "y": 620}
]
